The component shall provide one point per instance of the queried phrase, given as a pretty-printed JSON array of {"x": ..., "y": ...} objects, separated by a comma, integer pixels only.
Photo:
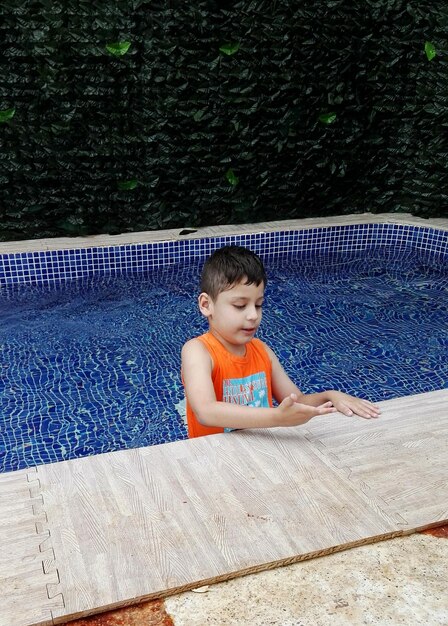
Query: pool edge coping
[{"x": 157, "y": 236}]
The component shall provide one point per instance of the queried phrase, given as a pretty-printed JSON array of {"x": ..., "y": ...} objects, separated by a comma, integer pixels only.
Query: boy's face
[{"x": 235, "y": 315}]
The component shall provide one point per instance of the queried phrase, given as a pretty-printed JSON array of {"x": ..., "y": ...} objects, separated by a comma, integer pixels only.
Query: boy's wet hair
[{"x": 228, "y": 266}]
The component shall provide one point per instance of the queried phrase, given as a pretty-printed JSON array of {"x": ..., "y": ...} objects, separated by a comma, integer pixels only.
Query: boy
[{"x": 231, "y": 378}]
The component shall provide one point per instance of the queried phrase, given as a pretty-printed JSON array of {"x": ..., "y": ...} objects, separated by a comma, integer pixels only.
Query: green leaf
[
  {"x": 231, "y": 178},
  {"x": 198, "y": 116},
  {"x": 125, "y": 185},
  {"x": 119, "y": 48},
  {"x": 7, "y": 114},
  {"x": 327, "y": 118},
  {"x": 73, "y": 225},
  {"x": 430, "y": 50},
  {"x": 230, "y": 48}
]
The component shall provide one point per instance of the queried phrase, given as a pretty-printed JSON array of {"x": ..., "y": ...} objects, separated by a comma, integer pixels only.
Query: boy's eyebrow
[{"x": 245, "y": 298}]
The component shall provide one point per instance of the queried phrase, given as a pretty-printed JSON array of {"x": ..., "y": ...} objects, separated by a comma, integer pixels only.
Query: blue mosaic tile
[
  {"x": 56, "y": 266},
  {"x": 91, "y": 364}
]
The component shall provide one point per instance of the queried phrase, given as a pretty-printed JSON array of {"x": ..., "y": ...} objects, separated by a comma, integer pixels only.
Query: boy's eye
[{"x": 240, "y": 307}]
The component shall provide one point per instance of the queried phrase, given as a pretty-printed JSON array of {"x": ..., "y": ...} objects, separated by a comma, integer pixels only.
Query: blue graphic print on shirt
[{"x": 249, "y": 391}]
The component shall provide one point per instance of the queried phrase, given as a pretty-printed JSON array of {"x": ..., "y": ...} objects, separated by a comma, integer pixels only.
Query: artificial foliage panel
[{"x": 136, "y": 115}]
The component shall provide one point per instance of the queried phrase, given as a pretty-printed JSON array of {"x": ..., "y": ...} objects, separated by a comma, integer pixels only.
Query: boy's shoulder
[
  {"x": 194, "y": 341},
  {"x": 194, "y": 346},
  {"x": 202, "y": 344},
  {"x": 264, "y": 345}
]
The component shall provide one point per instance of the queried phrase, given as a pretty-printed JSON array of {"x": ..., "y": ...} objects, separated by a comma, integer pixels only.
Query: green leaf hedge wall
[{"x": 133, "y": 115}]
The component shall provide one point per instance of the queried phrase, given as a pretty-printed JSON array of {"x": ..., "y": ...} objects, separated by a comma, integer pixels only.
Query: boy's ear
[{"x": 205, "y": 304}]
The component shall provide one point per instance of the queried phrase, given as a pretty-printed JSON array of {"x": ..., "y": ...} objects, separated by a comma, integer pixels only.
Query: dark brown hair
[{"x": 230, "y": 265}]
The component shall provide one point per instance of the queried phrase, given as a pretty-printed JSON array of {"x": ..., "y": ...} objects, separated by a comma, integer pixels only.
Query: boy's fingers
[
  {"x": 367, "y": 409},
  {"x": 326, "y": 408},
  {"x": 364, "y": 412},
  {"x": 368, "y": 414},
  {"x": 370, "y": 407},
  {"x": 373, "y": 410}
]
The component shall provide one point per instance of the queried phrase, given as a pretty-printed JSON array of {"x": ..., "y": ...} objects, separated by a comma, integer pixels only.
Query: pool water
[{"x": 93, "y": 366}]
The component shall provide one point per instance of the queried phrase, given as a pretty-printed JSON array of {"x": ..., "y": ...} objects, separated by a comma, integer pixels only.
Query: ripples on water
[{"x": 93, "y": 366}]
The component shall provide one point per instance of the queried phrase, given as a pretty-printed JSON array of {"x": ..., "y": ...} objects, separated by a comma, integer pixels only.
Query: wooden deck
[{"x": 86, "y": 535}]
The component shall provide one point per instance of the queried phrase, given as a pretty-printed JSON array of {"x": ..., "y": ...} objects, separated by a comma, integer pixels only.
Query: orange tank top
[{"x": 242, "y": 380}]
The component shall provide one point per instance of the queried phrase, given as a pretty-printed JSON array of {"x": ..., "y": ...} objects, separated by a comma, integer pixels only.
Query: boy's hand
[
  {"x": 292, "y": 413},
  {"x": 348, "y": 405}
]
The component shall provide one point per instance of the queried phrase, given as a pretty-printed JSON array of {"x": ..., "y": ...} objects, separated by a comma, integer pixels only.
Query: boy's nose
[{"x": 252, "y": 313}]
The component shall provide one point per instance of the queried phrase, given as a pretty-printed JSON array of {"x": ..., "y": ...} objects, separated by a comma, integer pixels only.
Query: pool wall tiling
[{"x": 51, "y": 266}]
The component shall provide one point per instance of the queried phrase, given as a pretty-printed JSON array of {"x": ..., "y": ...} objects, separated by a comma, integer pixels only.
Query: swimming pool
[{"x": 91, "y": 365}]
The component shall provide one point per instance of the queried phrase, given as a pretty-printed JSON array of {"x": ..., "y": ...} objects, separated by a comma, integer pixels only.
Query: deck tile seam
[{"x": 50, "y": 570}]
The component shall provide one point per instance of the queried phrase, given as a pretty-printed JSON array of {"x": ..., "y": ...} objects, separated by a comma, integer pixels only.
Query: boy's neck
[{"x": 235, "y": 349}]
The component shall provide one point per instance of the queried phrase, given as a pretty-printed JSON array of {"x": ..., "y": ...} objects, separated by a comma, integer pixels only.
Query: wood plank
[
  {"x": 87, "y": 535},
  {"x": 27, "y": 568},
  {"x": 145, "y": 523},
  {"x": 401, "y": 458}
]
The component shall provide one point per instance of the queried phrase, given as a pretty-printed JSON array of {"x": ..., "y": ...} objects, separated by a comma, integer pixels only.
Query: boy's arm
[
  {"x": 282, "y": 386},
  {"x": 197, "y": 376}
]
